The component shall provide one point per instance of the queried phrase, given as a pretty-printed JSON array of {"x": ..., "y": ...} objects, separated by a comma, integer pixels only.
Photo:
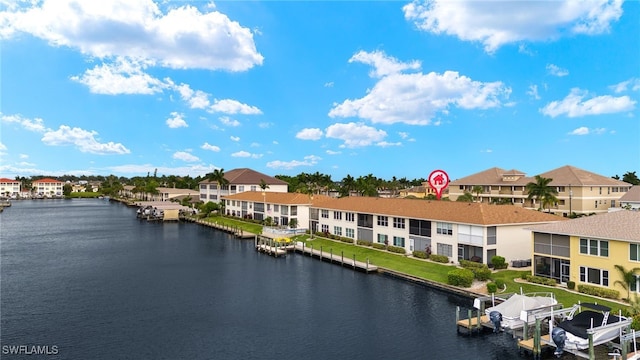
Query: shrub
[
  {"x": 346, "y": 240},
  {"x": 598, "y": 291},
  {"x": 397, "y": 249},
  {"x": 420, "y": 254},
  {"x": 460, "y": 277},
  {"x": 467, "y": 264},
  {"x": 499, "y": 283},
  {"x": 482, "y": 274},
  {"x": 492, "y": 287},
  {"x": 439, "y": 258},
  {"x": 364, "y": 243},
  {"x": 498, "y": 262},
  {"x": 541, "y": 280},
  {"x": 378, "y": 246},
  {"x": 525, "y": 277},
  {"x": 571, "y": 285}
]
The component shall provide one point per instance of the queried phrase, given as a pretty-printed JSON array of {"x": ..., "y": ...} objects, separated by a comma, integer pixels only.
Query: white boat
[
  {"x": 520, "y": 307},
  {"x": 573, "y": 333}
]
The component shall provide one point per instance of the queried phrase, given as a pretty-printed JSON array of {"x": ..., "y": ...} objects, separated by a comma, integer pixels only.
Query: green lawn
[{"x": 424, "y": 269}]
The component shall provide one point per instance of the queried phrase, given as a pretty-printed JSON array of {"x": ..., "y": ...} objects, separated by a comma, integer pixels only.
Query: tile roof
[
  {"x": 617, "y": 225},
  {"x": 46, "y": 180},
  {"x": 562, "y": 176},
  {"x": 247, "y": 176},
  {"x": 566, "y": 175},
  {"x": 450, "y": 211},
  {"x": 5, "y": 180},
  {"x": 493, "y": 176},
  {"x": 633, "y": 195}
]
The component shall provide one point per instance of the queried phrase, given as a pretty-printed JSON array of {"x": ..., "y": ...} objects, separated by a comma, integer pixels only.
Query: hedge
[
  {"x": 397, "y": 249},
  {"x": 420, "y": 254},
  {"x": 439, "y": 258},
  {"x": 364, "y": 243},
  {"x": 492, "y": 287},
  {"x": 460, "y": 277},
  {"x": 467, "y": 264},
  {"x": 598, "y": 291},
  {"x": 498, "y": 262},
  {"x": 379, "y": 246}
]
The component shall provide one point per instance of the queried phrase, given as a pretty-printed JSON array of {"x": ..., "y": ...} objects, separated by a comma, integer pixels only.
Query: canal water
[{"x": 85, "y": 279}]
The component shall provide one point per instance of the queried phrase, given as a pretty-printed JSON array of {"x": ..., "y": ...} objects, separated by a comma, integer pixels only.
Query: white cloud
[
  {"x": 574, "y": 106},
  {"x": 403, "y": 134},
  {"x": 309, "y": 134},
  {"x": 35, "y": 125},
  {"x": 84, "y": 140},
  {"x": 176, "y": 121},
  {"x": 196, "y": 99},
  {"x": 230, "y": 106},
  {"x": 2, "y": 146},
  {"x": 24, "y": 156},
  {"x": 416, "y": 98},
  {"x": 331, "y": 152},
  {"x": 586, "y": 131},
  {"x": 533, "y": 92},
  {"x": 185, "y": 156},
  {"x": 382, "y": 64},
  {"x": 229, "y": 121},
  {"x": 183, "y": 38},
  {"x": 122, "y": 77},
  {"x": 355, "y": 135},
  {"x": 265, "y": 125},
  {"x": 633, "y": 84},
  {"x": 207, "y": 146},
  {"x": 246, "y": 154},
  {"x": 328, "y": 84},
  {"x": 555, "y": 70},
  {"x": 497, "y": 23},
  {"x": 309, "y": 160},
  {"x": 234, "y": 138},
  {"x": 388, "y": 144}
]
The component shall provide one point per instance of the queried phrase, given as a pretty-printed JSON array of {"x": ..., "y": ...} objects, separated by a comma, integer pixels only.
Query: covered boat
[{"x": 509, "y": 313}]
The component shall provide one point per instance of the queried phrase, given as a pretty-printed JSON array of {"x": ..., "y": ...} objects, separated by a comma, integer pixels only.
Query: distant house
[
  {"x": 421, "y": 191},
  {"x": 631, "y": 199},
  {"x": 240, "y": 180},
  {"x": 281, "y": 207},
  {"x": 164, "y": 194},
  {"x": 585, "y": 250},
  {"x": 579, "y": 191},
  {"x": 47, "y": 187},
  {"x": 9, "y": 188}
]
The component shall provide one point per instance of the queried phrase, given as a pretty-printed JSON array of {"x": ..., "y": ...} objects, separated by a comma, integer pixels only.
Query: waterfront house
[
  {"x": 164, "y": 194},
  {"x": 470, "y": 231},
  {"x": 421, "y": 191},
  {"x": 9, "y": 188},
  {"x": 585, "y": 250},
  {"x": 47, "y": 187},
  {"x": 631, "y": 200},
  {"x": 240, "y": 180},
  {"x": 579, "y": 191}
]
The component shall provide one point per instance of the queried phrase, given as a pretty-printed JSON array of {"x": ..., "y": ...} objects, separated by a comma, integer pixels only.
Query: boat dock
[{"x": 364, "y": 266}]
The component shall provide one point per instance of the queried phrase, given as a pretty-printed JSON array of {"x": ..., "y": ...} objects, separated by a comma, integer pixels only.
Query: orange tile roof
[
  {"x": 46, "y": 180},
  {"x": 449, "y": 211},
  {"x": 5, "y": 180}
]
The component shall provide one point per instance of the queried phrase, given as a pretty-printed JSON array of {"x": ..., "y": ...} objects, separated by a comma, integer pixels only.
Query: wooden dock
[
  {"x": 338, "y": 259},
  {"x": 233, "y": 230},
  {"x": 529, "y": 345}
]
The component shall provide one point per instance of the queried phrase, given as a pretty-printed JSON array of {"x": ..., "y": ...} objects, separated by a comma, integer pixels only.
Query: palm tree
[
  {"x": 477, "y": 189},
  {"x": 263, "y": 185},
  {"x": 628, "y": 277},
  {"x": 541, "y": 191},
  {"x": 348, "y": 184},
  {"x": 218, "y": 177}
]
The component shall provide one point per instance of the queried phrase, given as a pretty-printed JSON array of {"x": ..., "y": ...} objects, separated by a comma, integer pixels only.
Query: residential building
[
  {"x": 240, "y": 180},
  {"x": 9, "y": 188},
  {"x": 585, "y": 250},
  {"x": 164, "y": 194},
  {"x": 631, "y": 200},
  {"x": 47, "y": 187},
  {"x": 281, "y": 207},
  {"x": 421, "y": 191},
  {"x": 469, "y": 231},
  {"x": 579, "y": 191}
]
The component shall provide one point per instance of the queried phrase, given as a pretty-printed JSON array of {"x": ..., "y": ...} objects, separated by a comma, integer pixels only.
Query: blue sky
[{"x": 391, "y": 88}]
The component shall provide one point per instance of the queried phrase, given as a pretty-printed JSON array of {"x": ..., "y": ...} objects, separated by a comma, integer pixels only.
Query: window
[
  {"x": 594, "y": 247},
  {"x": 294, "y": 210},
  {"x": 350, "y": 217},
  {"x": 594, "y": 276},
  {"x": 324, "y": 214},
  {"x": 276, "y": 208},
  {"x": 382, "y": 238},
  {"x": 383, "y": 221},
  {"x": 337, "y": 230},
  {"x": 444, "y": 249},
  {"x": 203, "y": 186},
  {"x": 398, "y": 241},
  {"x": 203, "y": 196},
  {"x": 491, "y": 235},
  {"x": 254, "y": 188},
  {"x": 337, "y": 215},
  {"x": 398, "y": 223},
  {"x": 325, "y": 228},
  {"x": 634, "y": 252},
  {"x": 213, "y": 197},
  {"x": 240, "y": 188},
  {"x": 350, "y": 233},
  {"x": 284, "y": 209},
  {"x": 420, "y": 227},
  {"x": 444, "y": 229}
]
